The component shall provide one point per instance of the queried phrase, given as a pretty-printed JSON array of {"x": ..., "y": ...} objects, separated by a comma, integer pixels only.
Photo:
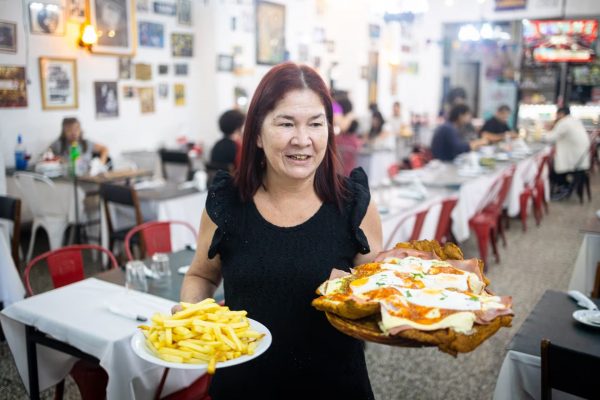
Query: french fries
[{"x": 203, "y": 333}]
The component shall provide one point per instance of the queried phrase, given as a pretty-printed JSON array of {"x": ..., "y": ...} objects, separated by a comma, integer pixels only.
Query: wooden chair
[
  {"x": 175, "y": 157},
  {"x": 124, "y": 196},
  {"x": 66, "y": 266},
  {"x": 569, "y": 371},
  {"x": 10, "y": 209},
  {"x": 156, "y": 237}
]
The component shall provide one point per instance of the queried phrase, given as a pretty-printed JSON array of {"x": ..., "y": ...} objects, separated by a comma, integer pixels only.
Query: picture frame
[
  {"x": 164, "y": 8},
  {"x": 151, "y": 34},
  {"x": 142, "y": 5},
  {"x": 181, "y": 69},
  {"x": 129, "y": 92},
  {"x": 143, "y": 72},
  {"x": 113, "y": 22},
  {"x": 225, "y": 63},
  {"x": 58, "y": 83},
  {"x": 146, "y": 95},
  {"x": 125, "y": 67},
  {"x": 182, "y": 44},
  {"x": 184, "y": 12},
  {"x": 179, "y": 93},
  {"x": 163, "y": 90},
  {"x": 270, "y": 33},
  {"x": 47, "y": 18},
  {"x": 13, "y": 86},
  {"x": 106, "y": 95},
  {"x": 76, "y": 10},
  {"x": 8, "y": 37},
  {"x": 163, "y": 69}
]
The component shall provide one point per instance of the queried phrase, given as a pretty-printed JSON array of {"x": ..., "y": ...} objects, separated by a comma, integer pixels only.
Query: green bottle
[{"x": 74, "y": 158}]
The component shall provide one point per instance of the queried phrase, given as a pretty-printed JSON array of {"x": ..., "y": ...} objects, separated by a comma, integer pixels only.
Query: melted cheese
[
  {"x": 461, "y": 322},
  {"x": 439, "y": 298},
  {"x": 331, "y": 287},
  {"x": 412, "y": 264},
  {"x": 374, "y": 282}
]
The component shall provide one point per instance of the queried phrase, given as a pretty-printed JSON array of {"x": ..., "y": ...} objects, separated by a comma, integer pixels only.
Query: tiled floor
[{"x": 534, "y": 261}]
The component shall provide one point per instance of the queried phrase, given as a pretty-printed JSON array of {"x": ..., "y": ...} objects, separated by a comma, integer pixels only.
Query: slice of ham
[
  {"x": 470, "y": 265},
  {"x": 485, "y": 317},
  {"x": 338, "y": 273},
  {"x": 403, "y": 253}
]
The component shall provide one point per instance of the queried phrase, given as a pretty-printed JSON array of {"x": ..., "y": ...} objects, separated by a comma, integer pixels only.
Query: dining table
[
  {"x": 48, "y": 332},
  {"x": 552, "y": 319},
  {"x": 587, "y": 263}
]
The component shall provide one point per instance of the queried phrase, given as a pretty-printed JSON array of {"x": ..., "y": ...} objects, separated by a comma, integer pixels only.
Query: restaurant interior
[{"x": 476, "y": 122}]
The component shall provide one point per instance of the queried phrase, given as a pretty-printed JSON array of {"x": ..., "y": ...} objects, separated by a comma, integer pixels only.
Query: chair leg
[
  {"x": 483, "y": 239},
  {"x": 494, "y": 240},
  {"x": 56, "y": 233},
  {"x": 501, "y": 232},
  {"x": 523, "y": 203},
  {"x": 59, "y": 390},
  {"x": 537, "y": 207},
  {"x": 34, "y": 229}
]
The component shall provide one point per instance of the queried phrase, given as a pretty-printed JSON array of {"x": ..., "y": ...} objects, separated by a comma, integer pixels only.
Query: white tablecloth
[
  {"x": 11, "y": 286},
  {"x": 584, "y": 272},
  {"x": 77, "y": 315},
  {"x": 520, "y": 378}
]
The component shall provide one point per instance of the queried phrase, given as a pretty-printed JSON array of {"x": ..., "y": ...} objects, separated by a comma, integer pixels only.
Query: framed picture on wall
[
  {"x": 270, "y": 33},
  {"x": 76, "y": 10},
  {"x": 179, "y": 90},
  {"x": 113, "y": 22},
  {"x": 151, "y": 34},
  {"x": 146, "y": 95},
  {"x": 125, "y": 67},
  {"x": 224, "y": 63},
  {"x": 184, "y": 12},
  {"x": 182, "y": 44},
  {"x": 107, "y": 101},
  {"x": 181, "y": 69},
  {"x": 8, "y": 37},
  {"x": 13, "y": 86},
  {"x": 58, "y": 82},
  {"x": 47, "y": 18}
]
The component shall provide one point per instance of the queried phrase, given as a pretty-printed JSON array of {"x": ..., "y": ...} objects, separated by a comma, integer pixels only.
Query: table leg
[{"x": 32, "y": 367}]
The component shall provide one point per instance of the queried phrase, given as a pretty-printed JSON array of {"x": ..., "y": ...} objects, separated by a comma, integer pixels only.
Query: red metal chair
[
  {"x": 536, "y": 190},
  {"x": 416, "y": 232},
  {"x": 486, "y": 222},
  {"x": 156, "y": 237},
  {"x": 66, "y": 266},
  {"x": 443, "y": 232}
]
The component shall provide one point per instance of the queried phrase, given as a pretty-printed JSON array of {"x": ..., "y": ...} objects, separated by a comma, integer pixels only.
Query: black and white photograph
[
  {"x": 125, "y": 67},
  {"x": 165, "y": 7},
  {"x": 129, "y": 92},
  {"x": 58, "y": 79},
  {"x": 76, "y": 10},
  {"x": 47, "y": 18},
  {"x": 163, "y": 69},
  {"x": 8, "y": 37},
  {"x": 142, "y": 5},
  {"x": 107, "y": 100},
  {"x": 181, "y": 69},
  {"x": 113, "y": 22},
  {"x": 184, "y": 12},
  {"x": 163, "y": 90}
]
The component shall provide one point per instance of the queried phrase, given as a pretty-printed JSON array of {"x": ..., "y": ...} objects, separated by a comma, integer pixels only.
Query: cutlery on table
[{"x": 123, "y": 313}]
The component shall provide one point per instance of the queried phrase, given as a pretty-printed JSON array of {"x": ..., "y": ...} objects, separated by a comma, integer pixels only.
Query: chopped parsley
[
  {"x": 380, "y": 283},
  {"x": 416, "y": 275},
  {"x": 444, "y": 297},
  {"x": 408, "y": 294},
  {"x": 474, "y": 298}
]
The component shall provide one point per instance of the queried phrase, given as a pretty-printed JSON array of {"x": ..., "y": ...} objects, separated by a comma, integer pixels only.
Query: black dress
[{"x": 273, "y": 272}]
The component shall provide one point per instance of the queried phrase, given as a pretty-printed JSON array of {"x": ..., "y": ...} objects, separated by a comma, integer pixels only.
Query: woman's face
[
  {"x": 294, "y": 135},
  {"x": 73, "y": 132}
]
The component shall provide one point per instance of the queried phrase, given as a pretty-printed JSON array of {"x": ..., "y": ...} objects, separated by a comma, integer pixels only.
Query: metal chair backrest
[
  {"x": 417, "y": 227},
  {"x": 569, "y": 371},
  {"x": 41, "y": 195},
  {"x": 65, "y": 264},
  {"x": 10, "y": 209},
  {"x": 443, "y": 227},
  {"x": 180, "y": 158},
  {"x": 121, "y": 195},
  {"x": 156, "y": 237}
]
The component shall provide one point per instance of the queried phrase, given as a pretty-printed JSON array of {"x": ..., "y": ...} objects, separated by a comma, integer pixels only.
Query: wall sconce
[{"x": 88, "y": 36}]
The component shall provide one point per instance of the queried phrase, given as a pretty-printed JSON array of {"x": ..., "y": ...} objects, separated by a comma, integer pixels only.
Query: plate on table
[
  {"x": 588, "y": 317},
  {"x": 141, "y": 349}
]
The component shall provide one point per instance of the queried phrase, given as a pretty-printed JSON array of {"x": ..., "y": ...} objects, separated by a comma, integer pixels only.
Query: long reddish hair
[{"x": 280, "y": 80}]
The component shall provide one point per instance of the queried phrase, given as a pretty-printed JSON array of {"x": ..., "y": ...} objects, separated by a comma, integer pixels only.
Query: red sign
[{"x": 561, "y": 40}]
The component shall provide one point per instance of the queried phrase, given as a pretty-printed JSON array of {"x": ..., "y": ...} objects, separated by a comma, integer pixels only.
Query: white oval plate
[
  {"x": 140, "y": 348},
  {"x": 583, "y": 316}
]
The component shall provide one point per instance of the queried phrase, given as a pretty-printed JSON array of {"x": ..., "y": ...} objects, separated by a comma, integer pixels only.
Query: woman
[
  {"x": 71, "y": 132},
  {"x": 275, "y": 231},
  {"x": 348, "y": 145},
  {"x": 380, "y": 134}
]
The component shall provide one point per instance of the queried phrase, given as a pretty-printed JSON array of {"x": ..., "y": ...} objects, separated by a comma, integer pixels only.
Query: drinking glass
[
  {"x": 160, "y": 265},
  {"x": 135, "y": 276}
]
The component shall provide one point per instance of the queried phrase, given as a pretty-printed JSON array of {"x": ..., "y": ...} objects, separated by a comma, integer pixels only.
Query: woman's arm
[
  {"x": 371, "y": 226},
  {"x": 204, "y": 275},
  {"x": 102, "y": 150}
]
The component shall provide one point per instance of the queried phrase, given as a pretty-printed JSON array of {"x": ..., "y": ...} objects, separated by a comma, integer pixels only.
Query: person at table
[
  {"x": 572, "y": 144},
  {"x": 225, "y": 153},
  {"x": 447, "y": 142},
  {"x": 496, "y": 128},
  {"x": 71, "y": 133},
  {"x": 274, "y": 231},
  {"x": 380, "y": 134},
  {"x": 349, "y": 144}
]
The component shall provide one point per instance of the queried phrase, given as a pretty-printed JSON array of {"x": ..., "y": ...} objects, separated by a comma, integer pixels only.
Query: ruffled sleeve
[
  {"x": 220, "y": 207},
  {"x": 358, "y": 183}
]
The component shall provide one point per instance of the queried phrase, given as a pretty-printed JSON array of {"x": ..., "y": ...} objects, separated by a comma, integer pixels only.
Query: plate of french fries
[{"x": 204, "y": 335}]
